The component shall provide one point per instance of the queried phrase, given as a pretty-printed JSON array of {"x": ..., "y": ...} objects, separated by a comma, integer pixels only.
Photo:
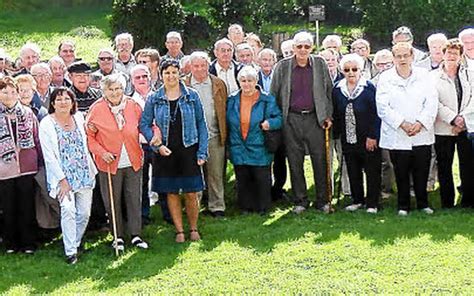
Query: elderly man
[
  {"x": 245, "y": 55},
  {"x": 213, "y": 94},
  {"x": 436, "y": 43},
  {"x": 42, "y": 75},
  {"x": 362, "y": 48},
  {"x": 403, "y": 34},
  {"x": 407, "y": 105},
  {"x": 333, "y": 42},
  {"x": 266, "y": 61},
  {"x": 174, "y": 44},
  {"x": 236, "y": 34},
  {"x": 302, "y": 87},
  {"x": 29, "y": 55},
  {"x": 125, "y": 60},
  {"x": 224, "y": 66},
  {"x": 58, "y": 71},
  {"x": 67, "y": 51},
  {"x": 286, "y": 48},
  {"x": 151, "y": 58},
  {"x": 79, "y": 72},
  {"x": 106, "y": 60}
]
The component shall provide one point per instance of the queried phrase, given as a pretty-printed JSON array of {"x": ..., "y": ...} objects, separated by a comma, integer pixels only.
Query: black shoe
[
  {"x": 218, "y": 214},
  {"x": 146, "y": 220},
  {"x": 71, "y": 259}
]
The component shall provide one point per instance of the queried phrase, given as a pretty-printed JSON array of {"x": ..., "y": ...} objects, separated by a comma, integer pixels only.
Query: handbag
[{"x": 272, "y": 139}]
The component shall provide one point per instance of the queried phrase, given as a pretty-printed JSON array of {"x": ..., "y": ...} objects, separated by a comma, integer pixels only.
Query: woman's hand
[
  {"x": 64, "y": 189},
  {"x": 265, "y": 125},
  {"x": 108, "y": 157},
  {"x": 415, "y": 129},
  {"x": 370, "y": 144},
  {"x": 92, "y": 127},
  {"x": 156, "y": 140},
  {"x": 164, "y": 151},
  {"x": 201, "y": 162}
]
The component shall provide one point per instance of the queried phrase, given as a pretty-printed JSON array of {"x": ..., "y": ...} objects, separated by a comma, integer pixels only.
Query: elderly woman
[
  {"x": 26, "y": 89},
  {"x": 20, "y": 157},
  {"x": 182, "y": 147},
  {"x": 356, "y": 120},
  {"x": 113, "y": 138},
  {"x": 407, "y": 105},
  {"x": 362, "y": 48},
  {"x": 250, "y": 112},
  {"x": 70, "y": 171},
  {"x": 450, "y": 126},
  {"x": 331, "y": 58}
]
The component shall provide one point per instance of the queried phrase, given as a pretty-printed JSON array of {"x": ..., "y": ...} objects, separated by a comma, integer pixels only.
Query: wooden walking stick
[
  {"x": 112, "y": 209},
  {"x": 328, "y": 170}
]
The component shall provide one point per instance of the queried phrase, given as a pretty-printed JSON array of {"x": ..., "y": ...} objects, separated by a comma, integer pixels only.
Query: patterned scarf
[
  {"x": 24, "y": 131},
  {"x": 117, "y": 111},
  {"x": 349, "y": 116}
]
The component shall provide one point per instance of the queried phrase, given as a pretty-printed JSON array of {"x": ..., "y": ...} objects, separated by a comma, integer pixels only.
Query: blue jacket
[
  {"x": 157, "y": 110},
  {"x": 251, "y": 151}
]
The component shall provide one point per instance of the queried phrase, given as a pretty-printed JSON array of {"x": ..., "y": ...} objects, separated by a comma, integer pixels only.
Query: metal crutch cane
[
  {"x": 112, "y": 209},
  {"x": 328, "y": 170}
]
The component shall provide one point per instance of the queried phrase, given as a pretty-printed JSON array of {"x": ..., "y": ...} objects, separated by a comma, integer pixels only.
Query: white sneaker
[
  {"x": 402, "y": 213},
  {"x": 298, "y": 210},
  {"x": 353, "y": 207},
  {"x": 372, "y": 210},
  {"x": 427, "y": 211},
  {"x": 139, "y": 243}
]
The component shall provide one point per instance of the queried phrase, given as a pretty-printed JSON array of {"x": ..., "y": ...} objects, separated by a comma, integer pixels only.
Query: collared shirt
[
  {"x": 85, "y": 99},
  {"x": 204, "y": 90},
  {"x": 125, "y": 67},
  {"x": 140, "y": 99},
  {"x": 302, "y": 88},
  {"x": 169, "y": 56},
  {"x": 228, "y": 76},
  {"x": 266, "y": 81},
  {"x": 411, "y": 100}
]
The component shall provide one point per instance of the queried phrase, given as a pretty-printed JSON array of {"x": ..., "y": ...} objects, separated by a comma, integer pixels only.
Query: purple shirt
[{"x": 302, "y": 89}]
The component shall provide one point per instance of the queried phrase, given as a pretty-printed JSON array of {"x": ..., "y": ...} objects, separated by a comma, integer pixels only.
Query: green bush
[
  {"x": 147, "y": 21},
  {"x": 424, "y": 17}
]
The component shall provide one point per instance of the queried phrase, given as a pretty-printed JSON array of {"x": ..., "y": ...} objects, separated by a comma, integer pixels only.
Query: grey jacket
[{"x": 322, "y": 87}]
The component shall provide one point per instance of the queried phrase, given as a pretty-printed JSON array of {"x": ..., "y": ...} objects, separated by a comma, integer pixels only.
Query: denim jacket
[{"x": 157, "y": 110}]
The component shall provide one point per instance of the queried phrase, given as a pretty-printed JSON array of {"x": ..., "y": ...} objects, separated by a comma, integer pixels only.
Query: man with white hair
[
  {"x": 302, "y": 87},
  {"x": 245, "y": 55},
  {"x": 403, "y": 34},
  {"x": 235, "y": 33},
  {"x": 286, "y": 48},
  {"x": 333, "y": 42},
  {"x": 224, "y": 66},
  {"x": 42, "y": 75},
  {"x": 58, "y": 72},
  {"x": 213, "y": 93},
  {"x": 436, "y": 43},
  {"x": 174, "y": 44},
  {"x": 125, "y": 60},
  {"x": 29, "y": 55}
]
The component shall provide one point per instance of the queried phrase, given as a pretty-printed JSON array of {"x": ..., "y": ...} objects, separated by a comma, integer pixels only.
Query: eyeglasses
[
  {"x": 142, "y": 62},
  {"x": 40, "y": 76},
  {"x": 305, "y": 46},
  {"x": 402, "y": 56},
  {"x": 145, "y": 76},
  {"x": 105, "y": 58},
  {"x": 359, "y": 48},
  {"x": 347, "y": 70},
  {"x": 67, "y": 50},
  {"x": 224, "y": 50}
]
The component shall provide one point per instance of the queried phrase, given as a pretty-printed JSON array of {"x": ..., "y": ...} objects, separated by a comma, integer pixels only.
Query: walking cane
[
  {"x": 112, "y": 209},
  {"x": 328, "y": 171}
]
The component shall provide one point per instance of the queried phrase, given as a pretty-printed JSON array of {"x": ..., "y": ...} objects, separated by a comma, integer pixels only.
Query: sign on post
[{"x": 317, "y": 13}]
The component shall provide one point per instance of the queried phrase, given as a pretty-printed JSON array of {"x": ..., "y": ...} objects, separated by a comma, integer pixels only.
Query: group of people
[{"x": 78, "y": 145}]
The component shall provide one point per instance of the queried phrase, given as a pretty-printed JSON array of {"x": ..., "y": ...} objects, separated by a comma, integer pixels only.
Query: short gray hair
[
  {"x": 303, "y": 37},
  {"x": 124, "y": 36},
  {"x": 268, "y": 51},
  {"x": 111, "y": 79},
  {"x": 360, "y": 40},
  {"x": 247, "y": 72},
  {"x": 235, "y": 26},
  {"x": 243, "y": 46},
  {"x": 56, "y": 59},
  {"x": 224, "y": 41},
  {"x": 436, "y": 37},
  {"x": 174, "y": 34},
  {"x": 382, "y": 53},
  {"x": 30, "y": 46},
  {"x": 139, "y": 67},
  {"x": 199, "y": 55},
  {"x": 332, "y": 38},
  {"x": 41, "y": 66},
  {"x": 403, "y": 30},
  {"x": 352, "y": 57},
  {"x": 466, "y": 32},
  {"x": 107, "y": 50}
]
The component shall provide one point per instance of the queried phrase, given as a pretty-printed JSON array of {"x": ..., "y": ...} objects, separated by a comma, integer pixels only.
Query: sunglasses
[
  {"x": 305, "y": 46},
  {"x": 140, "y": 77},
  {"x": 347, "y": 70},
  {"x": 105, "y": 58}
]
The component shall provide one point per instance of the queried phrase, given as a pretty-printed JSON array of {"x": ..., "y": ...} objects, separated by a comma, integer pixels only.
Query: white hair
[
  {"x": 303, "y": 38},
  {"x": 43, "y": 66},
  {"x": 107, "y": 50},
  {"x": 235, "y": 26},
  {"x": 403, "y": 30},
  {"x": 352, "y": 57},
  {"x": 111, "y": 79},
  {"x": 382, "y": 53},
  {"x": 248, "y": 72},
  {"x": 199, "y": 55},
  {"x": 56, "y": 59},
  {"x": 436, "y": 37},
  {"x": 269, "y": 51},
  {"x": 184, "y": 61},
  {"x": 174, "y": 34},
  {"x": 224, "y": 41},
  {"x": 30, "y": 46},
  {"x": 360, "y": 40},
  {"x": 243, "y": 46},
  {"x": 138, "y": 67},
  {"x": 465, "y": 32},
  {"x": 332, "y": 38},
  {"x": 124, "y": 36}
]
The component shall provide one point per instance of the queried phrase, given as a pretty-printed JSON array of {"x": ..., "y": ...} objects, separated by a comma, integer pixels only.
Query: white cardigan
[{"x": 50, "y": 147}]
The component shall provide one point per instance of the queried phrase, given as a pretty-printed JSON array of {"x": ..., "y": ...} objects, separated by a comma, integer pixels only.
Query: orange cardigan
[{"x": 108, "y": 137}]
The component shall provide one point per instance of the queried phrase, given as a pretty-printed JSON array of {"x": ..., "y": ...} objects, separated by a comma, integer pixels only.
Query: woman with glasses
[
  {"x": 70, "y": 171},
  {"x": 356, "y": 121}
]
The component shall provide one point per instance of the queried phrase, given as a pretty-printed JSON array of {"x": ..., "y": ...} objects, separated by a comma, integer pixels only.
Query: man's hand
[
  {"x": 459, "y": 122},
  {"x": 370, "y": 144},
  {"x": 327, "y": 123}
]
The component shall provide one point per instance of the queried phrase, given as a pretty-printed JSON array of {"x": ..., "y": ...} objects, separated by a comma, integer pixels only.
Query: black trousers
[
  {"x": 415, "y": 163},
  {"x": 19, "y": 212},
  {"x": 253, "y": 187},
  {"x": 98, "y": 216},
  {"x": 358, "y": 161},
  {"x": 279, "y": 172},
  {"x": 445, "y": 146},
  {"x": 147, "y": 160}
]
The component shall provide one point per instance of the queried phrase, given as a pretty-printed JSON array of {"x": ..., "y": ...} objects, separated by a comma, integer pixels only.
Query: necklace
[{"x": 175, "y": 112}]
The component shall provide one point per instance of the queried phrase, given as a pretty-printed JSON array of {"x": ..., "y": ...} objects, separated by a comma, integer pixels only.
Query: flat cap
[{"x": 79, "y": 67}]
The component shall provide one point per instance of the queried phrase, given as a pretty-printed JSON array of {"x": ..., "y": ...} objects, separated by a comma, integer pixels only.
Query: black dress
[{"x": 178, "y": 172}]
